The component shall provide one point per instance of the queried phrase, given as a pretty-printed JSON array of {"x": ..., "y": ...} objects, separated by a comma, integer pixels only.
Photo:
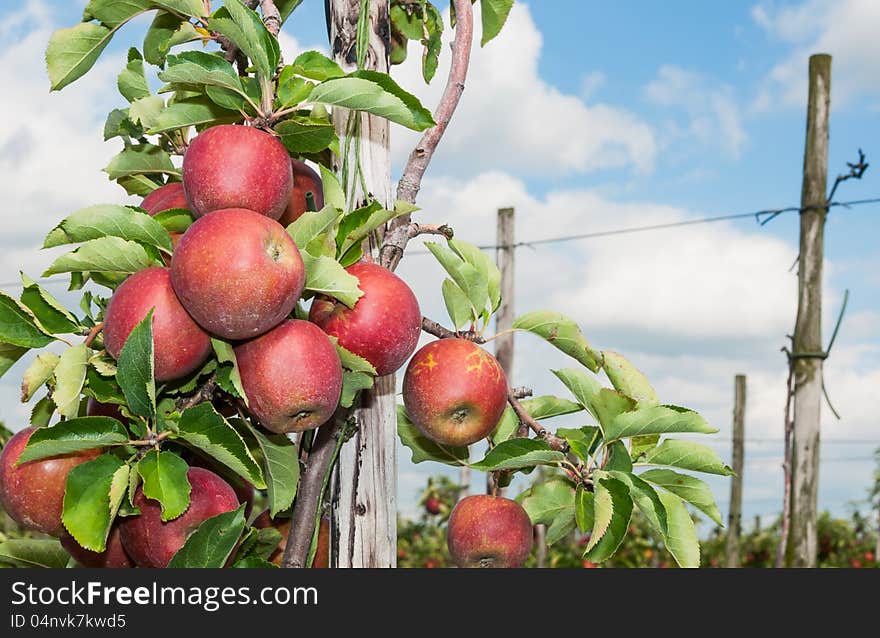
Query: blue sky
[{"x": 588, "y": 116}]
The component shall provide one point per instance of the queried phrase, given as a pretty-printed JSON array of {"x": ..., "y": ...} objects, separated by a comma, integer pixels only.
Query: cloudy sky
[{"x": 585, "y": 117}]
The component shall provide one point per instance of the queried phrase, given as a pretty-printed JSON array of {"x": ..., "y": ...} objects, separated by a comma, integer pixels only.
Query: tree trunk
[
  {"x": 807, "y": 342},
  {"x": 365, "y": 489}
]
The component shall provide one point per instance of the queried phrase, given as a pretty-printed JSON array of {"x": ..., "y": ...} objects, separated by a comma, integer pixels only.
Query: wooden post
[
  {"x": 365, "y": 488},
  {"x": 757, "y": 524},
  {"x": 504, "y": 258},
  {"x": 807, "y": 340},
  {"x": 734, "y": 517}
]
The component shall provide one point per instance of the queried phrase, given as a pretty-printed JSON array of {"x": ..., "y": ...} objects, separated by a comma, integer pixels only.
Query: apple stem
[{"x": 93, "y": 333}]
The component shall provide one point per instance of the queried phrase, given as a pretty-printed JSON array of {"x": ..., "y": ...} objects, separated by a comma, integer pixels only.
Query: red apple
[
  {"x": 432, "y": 505},
  {"x": 150, "y": 542},
  {"x": 454, "y": 391},
  {"x": 237, "y": 273},
  {"x": 96, "y": 408},
  {"x": 233, "y": 166},
  {"x": 305, "y": 180},
  {"x": 322, "y": 551},
  {"x": 385, "y": 323},
  {"x": 489, "y": 531},
  {"x": 165, "y": 198},
  {"x": 112, "y": 557},
  {"x": 292, "y": 376},
  {"x": 33, "y": 493},
  {"x": 180, "y": 345}
]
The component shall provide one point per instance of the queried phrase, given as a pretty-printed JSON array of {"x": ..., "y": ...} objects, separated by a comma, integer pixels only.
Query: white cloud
[
  {"x": 847, "y": 29},
  {"x": 510, "y": 118},
  {"x": 712, "y": 109},
  {"x": 590, "y": 83}
]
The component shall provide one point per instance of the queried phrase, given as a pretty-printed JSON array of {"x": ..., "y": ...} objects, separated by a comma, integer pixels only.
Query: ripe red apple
[
  {"x": 112, "y": 557},
  {"x": 489, "y": 531},
  {"x": 305, "y": 180},
  {"x": 234, "y": 166},
  {"x": 96, "y": 408},
  {"x": 180, "y": 345},
  {"x": 454, "y": 391},
  {"x": 164, "y": 198},
  {"x": 322, "y": 551},
  {"x": 385, "y": 323},
  {"x": 33, "y": 493},
  {"x": 152, "y": 543},
  {"x": 432, "y": 505},
  {"x": 292, "y": 376},
  {"x": 237, "y": 273}
]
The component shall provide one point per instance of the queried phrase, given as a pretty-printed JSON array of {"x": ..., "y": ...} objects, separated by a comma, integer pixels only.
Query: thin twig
[
  {"x": 415, "y": 230},
  {"x": 554, "y": 441},
  {"x": 521, "y": 392},
  {"x": 202, "y": 394},
  {"x": 411, "y": 181},
  {"x": 432, "y": 327},
  {"x": 93, "y": 333},
  {"x": 310, "y": 491}
]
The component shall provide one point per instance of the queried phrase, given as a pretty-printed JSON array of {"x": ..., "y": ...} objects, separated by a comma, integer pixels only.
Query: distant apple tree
[{"x": 158, "y": 429}]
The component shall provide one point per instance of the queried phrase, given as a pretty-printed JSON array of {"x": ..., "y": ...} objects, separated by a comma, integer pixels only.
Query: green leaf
[
  {"x": 113, "y": 13},
  {"x": 292, "y": 90},
  {"x": 681, "y": 537},
  {"x": 311, "y": 225},
  {"x": 192, "y": 112},
  {"x": 352, "y": 383},
  {"x": 315, "y": 66},
  {"x": 203, "y": 428},
  {"x": 175, "y": 220},
  {"x": 212, "y": 543},
  {"x": 245, "y": 28},
  {"x": 423, "y": 448},
  {"x": 494, "y": 15},
  {"x": 618, "y": 458},
  {"x": 73, "y": 435},
  {"x": 326, "y": 276},
  {"x": 658, "y": 420},
  {"x": 252, "y": 562},
  {"x": 140, "y": 160},
  {"x": 33, "y": 552},
  {"x": 190, "y": 8},
  {"x": 301, "y": 134},
  {"x": 9, "y": 354},
  {"x": 374, "y": 93},
  {"x": 641, "y": 444},
  {"x": 548, "y": 406},
  {"x": 357, "y": 226},
  {"x": 118, "y": 124},
  {"x": 70, "y": 375},
  {"x": 603, "y": 403},
  {"x": 546, "y": 501},
  {"x": 689, "y": 488},
  {"x": 18, "y": 326},
  {"x": 109, "y": 220},
  {"x": 583, "y": 442},
  {"x": 613, "y": 510},
  {"x": 49, "y": 312},
  {"x": 107, "y": 255},
  {"x": 562, "y": 333},
  {"x": 131, "y": 82},
  {"x": 351, "y": 361},
  {"x": 226, "y": 354},
  {"x": 197, "y": 68},
  {"x": 333, "y": 193},
  {"x": 280, "y": 467},
  {"x": 518, "y": 453},
  {"x": 458, "y": 306},
  {"x": 37, "y": 374},
  {"x": 628, "y": 379},
  {"x": 584, "y": 509},
  {"x": 560, "y": 527},
  {"x": 145, "y": 111},
  {"x": 258, "y": 543},
  {"x": 72, "y": 52},
  {"x": 42, "y": 412},
  {"x": 686, "y": 455},
  {"x": 135, "y": 373},
  {"x": 166, "y": 31},
  {"x": 507, "y": 426},
  {"x": 646, "y": 498},
  {"x": 92, "y": 496},
  {"x": 466, "y": 276},
  {"x": 165, "y": 480},
  {"x": 484, "y": 264}
]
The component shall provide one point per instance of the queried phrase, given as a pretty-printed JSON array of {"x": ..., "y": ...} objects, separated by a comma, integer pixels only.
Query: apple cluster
[{"x": 236, "y": 274}]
